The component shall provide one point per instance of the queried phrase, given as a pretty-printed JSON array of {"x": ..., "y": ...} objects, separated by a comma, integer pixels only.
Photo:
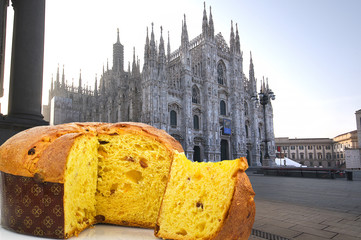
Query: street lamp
[{"x": 265, "y": 96}]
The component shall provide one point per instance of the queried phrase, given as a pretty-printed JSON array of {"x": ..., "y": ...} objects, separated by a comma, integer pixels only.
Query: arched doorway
[
  {"x": 197, "y": 154},
  {"x": 248, "y": 158},
  {"x": 261, "y": 158},
  {"x": 224, "y": 150}
]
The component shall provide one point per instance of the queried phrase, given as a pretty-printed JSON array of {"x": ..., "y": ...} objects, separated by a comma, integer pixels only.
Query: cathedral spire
[
  {"x": 205, "y": 22},
  {"x": 168, "y": 48},
  {"x": 134, "y": 66},
  {"x": 63, "y": 79},
  {"x": 80, "y": 84},
  {"x": 161, "y": 56},
  {"x": 252, "y": 79},
  {"x": 146, "y": 50},
  {"x": 118, "y": 41},
  {"x": 238, "y": 44},
  {"x": 52, "y": 82},
  {"x": 185, "y": 40},
  {"x": 57, "y": 81},
  {"x": 102, "y": 84},
  {"x": 152, "y": 50},
  {"x": 232, "y": 38},
  {"x": 211, "y": 25},
  {"x": 96, "y": 85},
  {"x": 251, "y": 68}
]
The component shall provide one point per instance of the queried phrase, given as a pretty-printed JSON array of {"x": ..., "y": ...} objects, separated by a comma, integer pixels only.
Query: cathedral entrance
[
  {"x": 197, "y": 154},
  {"x": 248, "y": 158},
  {"x": 224, "y": 150}
]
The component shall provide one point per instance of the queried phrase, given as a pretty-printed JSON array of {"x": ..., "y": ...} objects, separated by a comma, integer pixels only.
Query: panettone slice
[{"x": 207, "y": 201}]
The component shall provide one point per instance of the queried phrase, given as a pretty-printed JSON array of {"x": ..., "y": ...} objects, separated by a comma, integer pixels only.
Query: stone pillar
[
  {"x": 26, "y": 74},
  {"x": 3, "y": 15}
]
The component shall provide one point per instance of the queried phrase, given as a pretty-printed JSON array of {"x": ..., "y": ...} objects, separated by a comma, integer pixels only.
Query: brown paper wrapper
[{"x": 31, "y": 207}]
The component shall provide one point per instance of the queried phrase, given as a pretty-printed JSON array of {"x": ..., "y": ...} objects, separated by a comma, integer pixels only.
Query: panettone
[
  {"x": 58, "y": 180},
  {"x": 207, "y": 201}
]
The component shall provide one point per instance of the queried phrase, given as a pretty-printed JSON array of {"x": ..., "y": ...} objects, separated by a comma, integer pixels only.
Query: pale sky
[{"x": 310, "y": 50}]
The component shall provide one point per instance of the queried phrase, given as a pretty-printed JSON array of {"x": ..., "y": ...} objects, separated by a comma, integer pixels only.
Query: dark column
[
  {"x": 26, "y": 74},
  {"x": 3, "y": 12}
]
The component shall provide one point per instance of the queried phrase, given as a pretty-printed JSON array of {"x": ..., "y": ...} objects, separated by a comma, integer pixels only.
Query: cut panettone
[
  {"x": 59, "y": 180},
  {"x": 207, "y": 201}
]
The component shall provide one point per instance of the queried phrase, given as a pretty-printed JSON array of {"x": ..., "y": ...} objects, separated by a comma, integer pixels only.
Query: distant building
[
  {"x": 353, "y": 155},
  {"x": 343, "y": 142},
  {"x": 311, "y": 152},
  {"x": 198, "y": 93},
  {"x": 326, "y": 152}
]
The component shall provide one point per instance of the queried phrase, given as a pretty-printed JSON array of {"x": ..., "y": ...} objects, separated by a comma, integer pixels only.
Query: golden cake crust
[
  {"x": 33, "y": 152},
  {"x": 242, "y": 211},
  {"x": 239, "y": 219}
]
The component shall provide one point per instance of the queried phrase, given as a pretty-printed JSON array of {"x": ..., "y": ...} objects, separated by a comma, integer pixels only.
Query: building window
[
  {"x": 293, "y": 147},
  {"x": 223, "y": 107},
  {"x": 328, "y": 156},
  {"x": 173, "y": 118},
  {"x": 319, "y": 155},
  {"x": 246, "y": 127},
  {"x": 293, "y": 155},
  {"x": 310, "y": 156},
  {"x": 300, "y": 147},
  {"x": 309, "y": 147},
  {"x": 284, "y": 148},
  {"x": 196, "y": 122},
  {"x": 221, "y": 73},
  {"x": 195, "y": 95},
  {"x": 319, "y": 147},
  {"x": 302, "y": 156},
  {"x": 328, "y": 147},
  {"x": 245, "y": 108}
]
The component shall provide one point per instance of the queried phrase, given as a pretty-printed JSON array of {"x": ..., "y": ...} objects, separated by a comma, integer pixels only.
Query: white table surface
[{"x": 99, "y": 231}]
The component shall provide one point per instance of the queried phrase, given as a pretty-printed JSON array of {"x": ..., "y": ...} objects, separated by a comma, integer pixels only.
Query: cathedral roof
[{"x": 221, "y": 43}]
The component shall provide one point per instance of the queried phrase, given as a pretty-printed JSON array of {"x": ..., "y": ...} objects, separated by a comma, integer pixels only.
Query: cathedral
[{"x": 198, "y": 93}]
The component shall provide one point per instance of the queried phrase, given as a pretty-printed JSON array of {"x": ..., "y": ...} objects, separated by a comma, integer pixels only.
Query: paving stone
[
  {"x": 313, "y": 231},
  {"x": 341, "y": 236},
  {"x": 255, "y": 238},
  {"x": 280, "y": 231},
  {"x": 353, "y": 232},
  {"x": 307, "y": 236},
  {"x": 352, "y": 223}
]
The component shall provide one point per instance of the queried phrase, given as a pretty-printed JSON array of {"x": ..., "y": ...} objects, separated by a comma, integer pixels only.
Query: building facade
[
  {"x": 318, "y": 152},
  {"x": 311, "y": 152},
  {"x": 198, "y": 93}
]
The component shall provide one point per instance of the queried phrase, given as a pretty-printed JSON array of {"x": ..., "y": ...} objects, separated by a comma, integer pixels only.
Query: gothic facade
[{"x": 198, "y": 93}]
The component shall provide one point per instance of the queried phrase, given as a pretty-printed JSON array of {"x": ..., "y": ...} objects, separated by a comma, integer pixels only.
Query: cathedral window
[
  {"x": 246, "y": 127},
  {"x": 223, "y": 107},
  {"x": 195, "y": 95},
  {"x": 196, "y": 122},
  {"x": 245, "y": 108},
  {"x": 221, "y": 73},
  {"x": 173, "y": 118}
]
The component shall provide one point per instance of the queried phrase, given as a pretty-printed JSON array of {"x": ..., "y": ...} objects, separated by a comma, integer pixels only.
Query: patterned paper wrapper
[{"x": 31, "y": 207}]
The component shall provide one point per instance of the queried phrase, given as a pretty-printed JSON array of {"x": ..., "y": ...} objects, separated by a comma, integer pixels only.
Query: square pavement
[{"x": 298, "y": 216}]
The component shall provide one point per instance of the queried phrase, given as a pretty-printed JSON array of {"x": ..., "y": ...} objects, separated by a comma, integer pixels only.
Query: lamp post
[{"x": 265, "y": 97}]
